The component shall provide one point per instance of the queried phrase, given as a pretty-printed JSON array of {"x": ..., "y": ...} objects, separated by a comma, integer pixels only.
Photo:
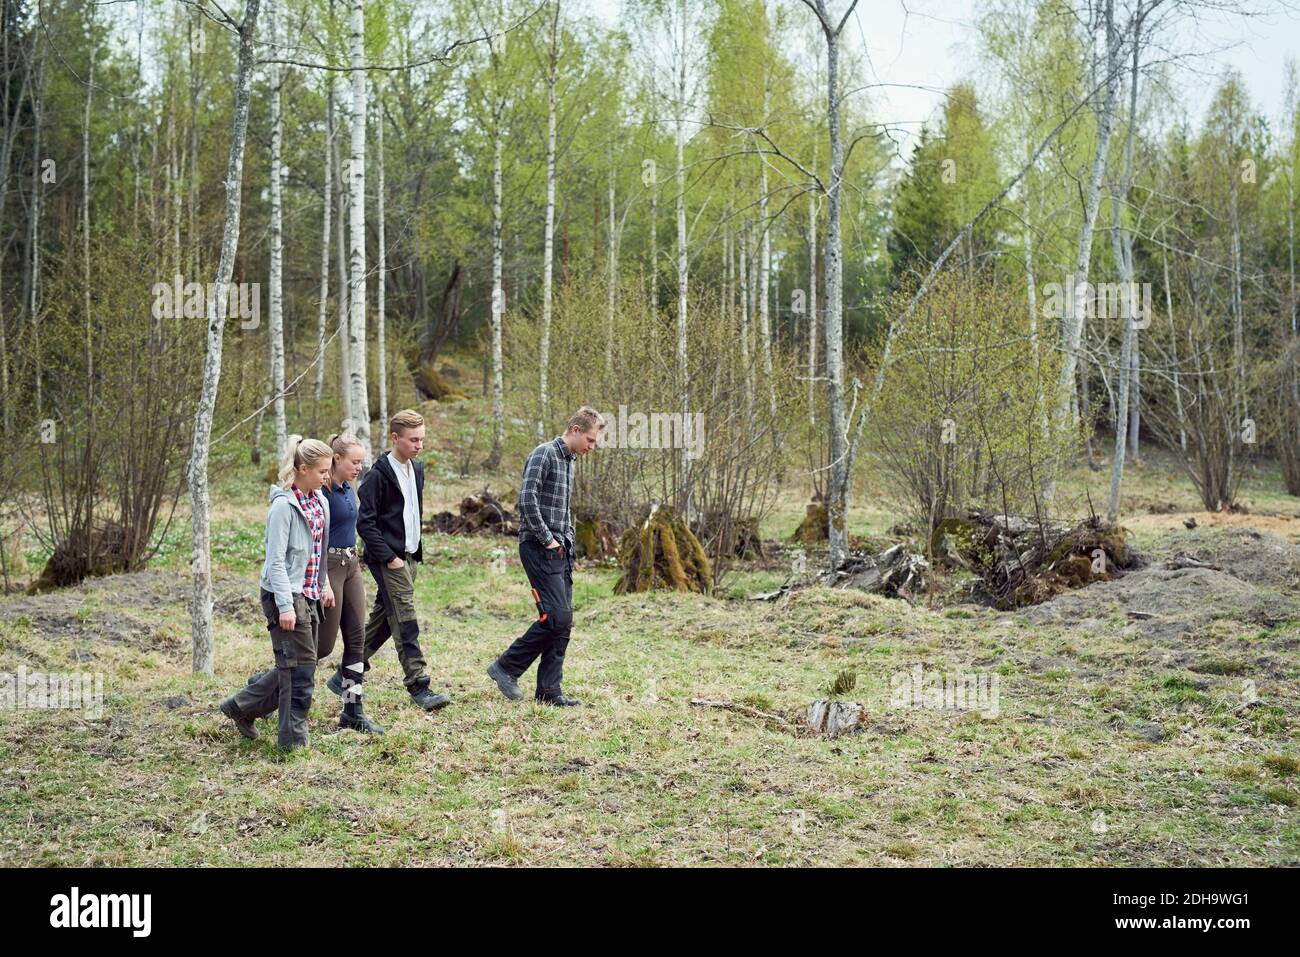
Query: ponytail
[{"x": 299, "y": 451}]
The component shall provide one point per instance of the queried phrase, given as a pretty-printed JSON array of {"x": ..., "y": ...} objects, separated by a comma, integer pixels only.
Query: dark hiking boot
[
  {"x": 245, "y": 725},
  {"x": 354, "y": 718},
  {"x": 557, "y": 700},
  {"x": 508, "y": 685},
  {"x": 429, "y": 700}
]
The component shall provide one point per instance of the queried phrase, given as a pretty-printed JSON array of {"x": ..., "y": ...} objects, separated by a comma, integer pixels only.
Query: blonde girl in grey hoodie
[{"x": 294, "y": 587}]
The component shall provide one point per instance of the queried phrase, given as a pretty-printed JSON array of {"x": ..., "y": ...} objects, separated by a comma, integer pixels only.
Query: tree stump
[
  {"x": 72, "y": 561},
  {"x": 814, "y": 526},
  {"x": 662, "y": 554},
  {"x": 833, "y": 718}
]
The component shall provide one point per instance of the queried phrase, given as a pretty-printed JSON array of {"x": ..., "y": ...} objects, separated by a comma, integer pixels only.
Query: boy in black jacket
[{"x": 388, "y": 521}]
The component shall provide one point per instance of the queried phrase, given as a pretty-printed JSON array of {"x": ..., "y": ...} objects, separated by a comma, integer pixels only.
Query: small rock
[
  {"x": 176, "y": 701},
  {"x": 1148, "y": 731}
]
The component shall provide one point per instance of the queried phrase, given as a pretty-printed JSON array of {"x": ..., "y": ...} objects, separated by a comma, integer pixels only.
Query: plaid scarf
[{"x": 311, "y": 507}]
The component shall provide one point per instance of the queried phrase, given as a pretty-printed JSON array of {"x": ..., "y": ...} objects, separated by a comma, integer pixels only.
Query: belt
[{"x": 349, "y": 552}]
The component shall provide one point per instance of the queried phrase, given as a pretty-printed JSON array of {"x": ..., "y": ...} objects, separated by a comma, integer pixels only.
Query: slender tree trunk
[
  {"x": 197, "y": 472},
  {"x": 1122, "y": 249},
  {"x": 1073, "y": 330},
  {"x": 340, "y": 262},
  {"x": 742, "y": 264},
  {"x": 85, "y": 249},
  {"x": 381, "y": 290},
  {"x": 611, "y": 296},
  {"x": 654, "y": 245},
  {"x": 357, "y": 223},
  {"x": 1135, "y": 405},
  {"x": 837, "y": 496},
  {"x": 812, "y": 301},
  {"x": 196, "y": 79},
  {"x": 1173, "y": 344},
  {"x": 765, "y": 272},
  {"x": 498, "y": 300},
  {"x": 276, "y": 327},
  {"x": 327, "y": 205},
  {"x": 32, "y": 287},
  {"x": 548, "y": 232},
  {"x": 683, "y": 268}
]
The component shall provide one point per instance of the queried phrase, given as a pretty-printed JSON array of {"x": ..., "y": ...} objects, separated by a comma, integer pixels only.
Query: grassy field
[
  {"x": 1069, "y": 771},
  {"x": 1114, "y": 742}
]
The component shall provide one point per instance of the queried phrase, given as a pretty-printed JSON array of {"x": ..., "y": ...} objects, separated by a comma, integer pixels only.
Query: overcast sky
[{"x": 932, "y": 44}]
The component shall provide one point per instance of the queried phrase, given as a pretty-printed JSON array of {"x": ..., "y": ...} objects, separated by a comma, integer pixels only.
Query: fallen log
[{"x": 741, "y": 709}]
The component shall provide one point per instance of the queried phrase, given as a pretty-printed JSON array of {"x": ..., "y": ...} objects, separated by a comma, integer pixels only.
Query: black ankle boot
[{"x": 354, "y": 717}]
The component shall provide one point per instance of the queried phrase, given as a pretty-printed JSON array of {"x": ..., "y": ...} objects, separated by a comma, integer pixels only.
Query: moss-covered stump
[
  {"x": 661, "y": 553},
  {"x": 432, "y": 384},
  {"x": 814, "y": 527}
]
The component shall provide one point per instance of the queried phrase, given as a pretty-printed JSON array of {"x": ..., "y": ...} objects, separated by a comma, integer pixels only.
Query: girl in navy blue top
[{"x": 348, "y": 613}]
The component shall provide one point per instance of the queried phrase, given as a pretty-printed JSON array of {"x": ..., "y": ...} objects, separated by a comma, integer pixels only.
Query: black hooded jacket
[{"x": 379, "y": 517}]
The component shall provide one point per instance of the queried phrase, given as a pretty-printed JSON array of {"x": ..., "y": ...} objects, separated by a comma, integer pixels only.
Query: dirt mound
[
  {"x": 117, "y": 608},
  {"x": 1250, "y": 554},
  {"x": 1168, "y": 602}
]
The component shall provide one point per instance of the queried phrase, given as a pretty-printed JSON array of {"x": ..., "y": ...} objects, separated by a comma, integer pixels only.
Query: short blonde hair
[
  {"x": 299, "y": 451},
  {"x": 406, "y": 419},
  {"x": 584, "y": 419}
]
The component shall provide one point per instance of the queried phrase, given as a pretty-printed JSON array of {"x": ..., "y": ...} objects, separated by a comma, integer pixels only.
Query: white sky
[{"x": 932, "y": 43}]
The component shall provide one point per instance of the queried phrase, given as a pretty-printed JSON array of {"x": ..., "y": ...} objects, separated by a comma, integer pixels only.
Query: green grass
[{"x": 640, "y": 776}]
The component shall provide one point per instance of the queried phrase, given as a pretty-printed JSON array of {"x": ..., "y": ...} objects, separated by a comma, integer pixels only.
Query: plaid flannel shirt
[
  {"x": 311, "y": 507},
  {"x": 545, "y": 494}
]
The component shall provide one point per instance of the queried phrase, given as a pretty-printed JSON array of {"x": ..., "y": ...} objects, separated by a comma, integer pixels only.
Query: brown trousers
[{"x": 348, "y": 613}]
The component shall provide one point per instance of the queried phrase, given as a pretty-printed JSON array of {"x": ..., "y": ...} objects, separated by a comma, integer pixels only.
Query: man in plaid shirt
[{"x": 546, "y": 550}]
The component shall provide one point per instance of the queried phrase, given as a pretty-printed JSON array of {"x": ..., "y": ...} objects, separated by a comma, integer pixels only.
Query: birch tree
[
  {"x": 275, "y": 329},
  {"x": 382, "y": 282},
  {"x": 197, "y": 472},
  {"x": 1072, "y": 328},
  {"x": 360, "y": 402},
  {"x": 548, "y": 235}
]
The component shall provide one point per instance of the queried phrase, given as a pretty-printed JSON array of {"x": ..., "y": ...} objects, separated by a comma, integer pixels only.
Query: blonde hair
[
  {"x": 343, "y": 441},
  {"x": 299, "y": 451},
  {"x": 406, "y": 419},
  {"x": 584, "y": 419}
]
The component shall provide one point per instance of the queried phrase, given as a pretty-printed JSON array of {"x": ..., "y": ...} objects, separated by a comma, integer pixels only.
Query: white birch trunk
[
  {"x": 837, "y": 497},
  {"x": 380, "y": 290},
  {"x": 360, "y": 401},
  {"x": 812, "y": 302},
  {"x": 197, "y": 471},
  {"x": 1072, "y": 333},
  {"x": 275, "y": 329},
  {"x": 498, "y": 303},
  {"x": 683, "y": 274},
  {"x": 548, "y": 236},
  {"x": 341, "y": 259},
  {"x": 327, "y": 205}
]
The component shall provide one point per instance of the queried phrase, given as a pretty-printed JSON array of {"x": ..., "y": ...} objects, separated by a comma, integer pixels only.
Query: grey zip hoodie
[{"x": 288, "y": 546}]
